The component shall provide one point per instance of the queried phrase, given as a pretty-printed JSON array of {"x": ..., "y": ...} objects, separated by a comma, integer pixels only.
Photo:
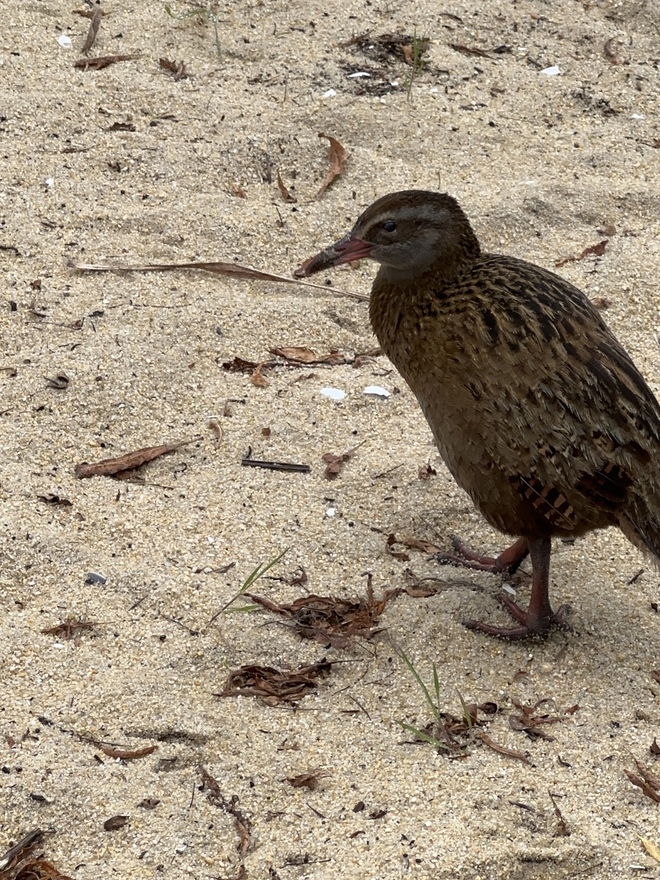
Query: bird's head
[{"x": 408, "y": 233}]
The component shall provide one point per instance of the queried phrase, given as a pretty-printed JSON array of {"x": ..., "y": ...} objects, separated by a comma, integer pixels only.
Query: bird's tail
[{"x": 641, "y": 526}]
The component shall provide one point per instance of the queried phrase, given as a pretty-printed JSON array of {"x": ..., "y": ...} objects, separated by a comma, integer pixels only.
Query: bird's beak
[{"x": 346, "y": 250}]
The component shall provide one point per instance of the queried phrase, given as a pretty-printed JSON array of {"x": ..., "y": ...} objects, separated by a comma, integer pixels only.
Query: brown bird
[{"x": 536, "y": 408}]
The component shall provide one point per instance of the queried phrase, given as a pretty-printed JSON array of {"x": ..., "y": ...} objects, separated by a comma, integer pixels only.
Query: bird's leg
[
  {"x": 539, "y": 617},
  {"x": 507, "y": 562}
]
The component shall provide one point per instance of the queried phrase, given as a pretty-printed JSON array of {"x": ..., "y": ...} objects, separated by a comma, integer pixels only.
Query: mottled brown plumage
[{"x": 536, "y": 408}]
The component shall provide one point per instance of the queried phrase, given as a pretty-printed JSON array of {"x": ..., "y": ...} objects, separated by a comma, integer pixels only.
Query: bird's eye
[{"x": 389, "y": 226}]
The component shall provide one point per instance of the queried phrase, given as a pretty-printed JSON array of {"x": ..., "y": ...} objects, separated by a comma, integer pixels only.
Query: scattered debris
[
  {"x": 95, "y": 15},
  {"x": 596, "y": 250},
  {"x": 330, "y": 619},
  {"x": 215, "y": 797},
  {"x": 109, "y": 467},
  {"x": 257, "y": 378},
  {"x": 274, "y": 686},
  {"x": 528, "y": 720},
  {"x": 287, "y": 467},
  {"x": 102, "y": 61},
  {"x": 177, "y": 68},
  {"x": 649, "y": 783},
  {"x": 426, "y": 471},
  {"x": 410, "y": 544},
  {"x": 149, "y": 803},
  {"x": 55, "y": 500},
  {"x": 128, "y": 754},
  {"x": 70, "y": 628},
  {"x": 469, "y": 50},
  {"x": 24, "y": 860},
  {"x": 114, "y": 823},
  {"x": 286, "y": 195},
  {"x": 308, "y": 780},
  {"x": 562, "y": 829},
  {"x": 334, "y": 463},
  {"x": 59, "y": 381},
  {"x": 338, "y": 156},
  {"x": 298, "y": 356},
  {"x": 510, "y": 753}
]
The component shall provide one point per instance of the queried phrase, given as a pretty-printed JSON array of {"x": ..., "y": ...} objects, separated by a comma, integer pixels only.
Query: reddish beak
[{"x": 346, "y": 250}]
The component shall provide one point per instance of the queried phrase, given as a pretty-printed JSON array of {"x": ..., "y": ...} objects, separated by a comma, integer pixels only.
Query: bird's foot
[
  {"x": 507, "y": 562},
  {"x": 531, "y": 624}
]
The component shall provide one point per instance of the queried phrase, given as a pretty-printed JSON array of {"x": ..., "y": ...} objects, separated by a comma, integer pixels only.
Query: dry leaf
[
  {"x": 128, "y": 754},
  {"x": 334, "y": 463},
  {"x": 257, "y": 378},
  {"x": 102, "y": 61},
  {"x": 286, "y": 195},
  {"x": 274, "y": 686},
  {"x": 233, "y": 270},
  {"x": 94, "y": 26},
  {"x": 651, "y": 848},
  {"x": 110, "y": 466},
  {"x": 308, "y": 780},
  {"x": 295, "y": 353},
  {"x": 510, "y": 753},
  {"x": 596, "y": 250},
  {"x": 338, "y": 156},
  {"x": 331, "y": 620},
  {"x": 114, "y": 823}
]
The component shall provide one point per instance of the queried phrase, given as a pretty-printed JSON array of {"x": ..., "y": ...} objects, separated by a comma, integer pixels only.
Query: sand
[{"x": 129, "y": 163}]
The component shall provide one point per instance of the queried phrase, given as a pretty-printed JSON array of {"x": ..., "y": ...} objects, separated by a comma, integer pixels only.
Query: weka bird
[{"x": 537, "y": 410}]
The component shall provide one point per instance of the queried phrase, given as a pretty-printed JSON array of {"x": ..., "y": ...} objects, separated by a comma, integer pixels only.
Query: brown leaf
[
  {"x": 94, "y": 26},
  {"x": 257, "y": 378},
  {"x": 128, "y": 754},
  {"x": 469, "y": 50},
  {"x": 648, "y": 790},
  {"x": 233, "y": 270},
  {"x": 308, "y": 780},
  {"x": 338, "y": 156},
  {"x": 596, "y": 250},
  {"x": 286, "y": 195},
  {"x": 102, "y": 61},
  {"x": 68, "y": 629},
  {"x": 295, "y": 353},
  {"x": 110, "y": 466},
  {"x": 114, "y": 823},
  {"x": 237, "y": 190},
  {"x": 307, "y": 356},
  {"x": 426, "y": 471},
  {"x": 38, "y": 870},
  {"x": 510, "y": 753},
  {"x": 177, "y": 68},
  {"x": 274, "y": 686},
  {"x": 334, "y": 463},
  {"x": 19, "y": 861}
]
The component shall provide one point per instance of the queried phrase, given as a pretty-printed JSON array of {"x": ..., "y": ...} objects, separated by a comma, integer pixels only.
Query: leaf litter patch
[
  {"x": 275, "y": 686},
  {"x": 331, "y": 620}
]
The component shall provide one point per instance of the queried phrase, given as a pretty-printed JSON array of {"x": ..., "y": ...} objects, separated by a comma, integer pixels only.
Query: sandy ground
[{"x": 130, "y": 163}]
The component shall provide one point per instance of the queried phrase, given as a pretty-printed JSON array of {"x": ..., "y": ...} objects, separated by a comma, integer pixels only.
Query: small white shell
[
  {"x": 333, "y": 393},
  {"x": 376, "y": 391}
]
